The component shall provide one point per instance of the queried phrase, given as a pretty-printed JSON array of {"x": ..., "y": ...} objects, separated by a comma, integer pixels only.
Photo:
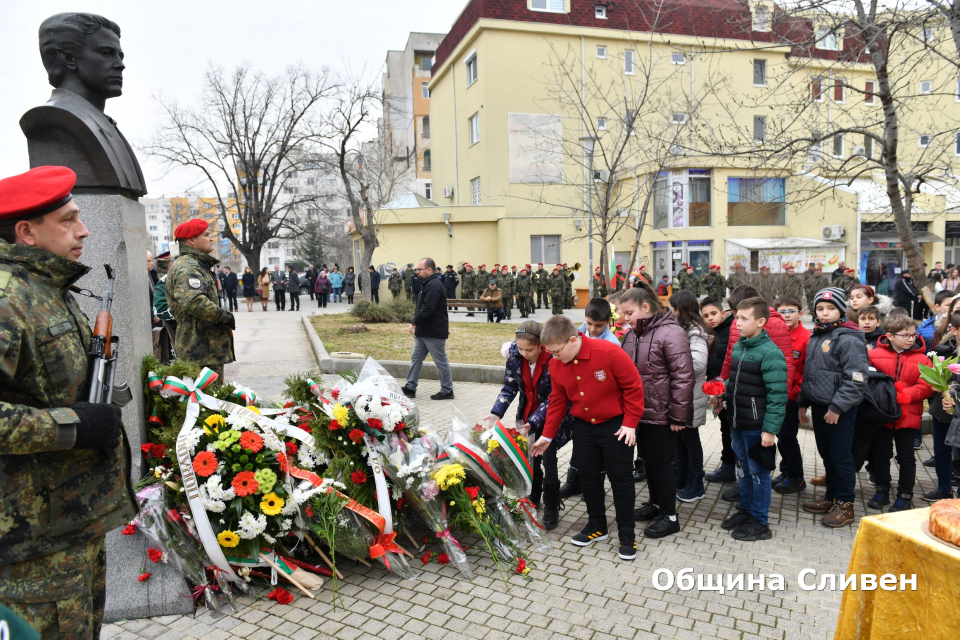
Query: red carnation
[
  {"x": 521, "y": 565},
  {"x": 289, "y": 404},
  {"x": 714, "y": 388},
  {"x": 281, "y": 595},
  {"x": 356, "y": 435},
  {"x": 358, "y": 477},
  {"x": 443, "y": 558},
  {"x": 473, "y": 492},
  {"x": 375, "y": 423},
  {"x": 291, "y": 448},
  {"x": 143, "y": 577},
  {"x": 129, "y": 530},
  {"x": 425, "y": 558},
  {"x": 158, "y": 450},
  {"x": 252, "y": 441},
  {"x": 205, "y": 464},
  {"x": 335, "y": 393},
  {"x": 309, "y": 511},
  {"x": 426, "y": 539},
  {"x": 155, "y": 555},
  {"x": 334, "y": 425},
  {"x": 400, "y": 503},
  {"x": 401, "y": 426},
  {"x": 146, "y": 448},
  {"x": 244, "y": 484}
]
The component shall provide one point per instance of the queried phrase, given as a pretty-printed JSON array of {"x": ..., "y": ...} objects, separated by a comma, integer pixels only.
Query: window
[
  {"x": 678, "y": 57},
  {"x": 426, "y": 160},
  {"x": 475, "y": 191},
  {"x": 426, "y": 64},
  {"x": 471, "y": 69},
  {"x": 816, "y": 89},
  {"x": 756, "y": 202},
  {"x": 290, "y": 190},
  {"x": 929, "y": 34},
  {"x": 154, "y": 227},
  {"x": 473, "y": 126},
  {"x": 815, "y": 151},
  {"x": 424, "y": 92},
  {"x": 628, "y": 62},
  {"x": 761, "y": 18},
  {"x": 600, "y": 12},
  {"x": 545, "y": 249},
  {"x": 839, "y": 90},
  {"x": 551, "y": 6},
  {"x": 426, "y": 127},
  {"x": 273, "y": 245},
  {"x": 759, "y": 73},
  {"x": 759, "y": 128},
  {"x": 869, "y": 91},
  {"x": 428, "y": 190},
  {"x": 926, "y": 87},
  {"x": 957, "y": 91},
  {"x": 602, "y": 51},
  {"x": 679, "y": 118},
  {"x": 838, "y": 145},
  {"x": 601, "y": 124},
  {"x": 273, "y": 261},
  {"x": 956, "y": 145},
  {"x": 924, "y": 140},
  {"x": 827, "y": 39},
  {"x": 154, "y": 238},
  {"x": 311, "y": 182},
  {"x": 681, "y": 200},
  {"x": 867, "y": 146}
]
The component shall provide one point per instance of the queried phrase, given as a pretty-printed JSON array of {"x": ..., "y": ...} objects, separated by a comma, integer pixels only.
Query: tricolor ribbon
[
  {"x": 476, "y": 460},
  {"x": 247, "y": 397},
  {"x": 154, "y": 383},
  {"x": 516, "y": 455},
  {"x": 191, "y": 390},
  {"x": 154, "y": 418},
  {"x": 317, "y": 391}
]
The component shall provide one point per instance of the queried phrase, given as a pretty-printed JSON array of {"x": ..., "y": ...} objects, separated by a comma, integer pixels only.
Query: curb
[{"x": 399, "y": 368}]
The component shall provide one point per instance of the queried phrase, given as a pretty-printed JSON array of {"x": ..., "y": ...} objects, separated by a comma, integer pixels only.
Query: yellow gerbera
[
  {"x": 522, "y": 443},
  {"x": 341, "y": 414},
  {"x": 480, "y": 506},
  {"x": 272, "y": 504},
  {"x": 449, "y": 475},
  {"x": 491, "y": 445},
  {"x": 228, "y": 539},
  {"x": 214, "y": 423},
  {"x": 254, "y": 409}
]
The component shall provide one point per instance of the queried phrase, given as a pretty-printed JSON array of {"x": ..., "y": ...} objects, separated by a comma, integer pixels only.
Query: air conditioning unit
[
  {"x": 832, "y": 232},
  {"x": 601, "y": 176},
  {"x": 860, "y": 151},
  {"x": 448, "y": 192},
  {"x": 676, "y": 150}
]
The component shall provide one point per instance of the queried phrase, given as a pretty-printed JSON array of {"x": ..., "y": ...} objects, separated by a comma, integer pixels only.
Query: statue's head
[{"x": 84, "y": 49}]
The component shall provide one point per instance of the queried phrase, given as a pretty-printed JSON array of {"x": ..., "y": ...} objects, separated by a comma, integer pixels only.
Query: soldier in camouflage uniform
[
  {"x": 619, "y": 279},
  {"x": 847, "y": 280},
  {"x": 681, "y": 277},
  {"x": 65, "y": 464},
  {"x": 714, "y": 284},
  {"x": 541, "y": 281},
  {"x": 599, "y": 284},
  {"x": 525, "y": 293},
  {"x": 691, "y": 283},
  {"x": 468, "y": 284},
  {"x": 568, "y": 278},
  {"x": 811, "y": 281},
  {"x": 395, "y": 284},
  {"x": 408, "y": 275},
  {"x": 558, "y": 284},
  {"x": 204, "y": 328},
  {"x": 482, "y": 278},
  {"x": 508, "y": 288}
]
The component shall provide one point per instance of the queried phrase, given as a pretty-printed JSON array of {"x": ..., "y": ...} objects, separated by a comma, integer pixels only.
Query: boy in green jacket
[{"x": 757, "y": 402}]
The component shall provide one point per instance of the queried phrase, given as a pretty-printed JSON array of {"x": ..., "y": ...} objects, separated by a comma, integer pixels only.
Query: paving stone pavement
[{"x": 584, "y": 593}]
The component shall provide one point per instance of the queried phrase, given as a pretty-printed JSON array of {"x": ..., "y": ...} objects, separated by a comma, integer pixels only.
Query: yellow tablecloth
[{"x": 893, "y": 543}]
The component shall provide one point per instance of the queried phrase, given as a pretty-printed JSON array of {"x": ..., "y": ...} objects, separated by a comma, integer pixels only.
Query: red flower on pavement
[
  {"x": 425, "y": 558},
  {"x": 252, "y": 441},
  {"x": 281, "y": 595},
  {"x": 244, "y": 484},
  {"x": 443, "y": 558},
  {"x": 334, "y": 425},
  {"x": 473, "y": 492},
  {"x": 129, "y": 530},
  {"x": 358, "y": 477},
  {"x": 291, "y": 448},
  {"x": 521, "y": 565},
  {"x": 155, "y": 555},
  {"x": 356, "y": 435},
  {"x": 426, "y": 539},
  {"x": 375, "y": 423},
  {"x": 205, "y": 463},
  {"x": 144, "y": 576}
]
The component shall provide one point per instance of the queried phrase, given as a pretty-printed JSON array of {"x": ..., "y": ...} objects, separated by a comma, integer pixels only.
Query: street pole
[{"x": 590, "y": 225}]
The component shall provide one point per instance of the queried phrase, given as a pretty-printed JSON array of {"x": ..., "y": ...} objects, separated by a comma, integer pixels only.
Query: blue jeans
[
  {"x": 338, "y": 294},
  {"x": 941, "y": 456},
  {"x": 835, "y": 445},
  {"x": 754, "y": 481}
]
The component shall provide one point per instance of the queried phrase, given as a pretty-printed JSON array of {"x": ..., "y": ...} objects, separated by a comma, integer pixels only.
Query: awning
[
  {"x": 880, "y": 236},
  {"x": 790, "y": 242}
]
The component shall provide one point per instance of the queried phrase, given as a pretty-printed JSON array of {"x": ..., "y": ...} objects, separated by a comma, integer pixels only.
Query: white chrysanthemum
[
  {"x": 486, "y": 435},
  {"x": 250, "y": 527},
  {"x": 269, "y": 538},
  {"x": 286, "y": 524},
  {"x": 931, "y": 354},
  {"x": 193, "y": 439},
  {"x": 239, "y": 422},
  {"x": 214, "y": 506},
  {"x": 216, "y": 490}
]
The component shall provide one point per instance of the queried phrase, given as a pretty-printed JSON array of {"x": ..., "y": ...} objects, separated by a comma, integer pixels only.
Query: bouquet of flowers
[
  {"x": 714, "y": 390},
  {"x": 940, "y": 375}
]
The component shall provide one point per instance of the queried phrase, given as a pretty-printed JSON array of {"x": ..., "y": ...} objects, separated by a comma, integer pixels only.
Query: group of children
[{"x": 634, "y": 373}]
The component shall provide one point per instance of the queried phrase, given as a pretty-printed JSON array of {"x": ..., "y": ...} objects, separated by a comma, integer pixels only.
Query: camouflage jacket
[
  {"x": 481, "y": 280},
  {"x": 715, "y": 285},
  {"x": 568, "y": 278},
  {"x": 619, "y": 280},
  {"x": 542, "y": 279},
  {"x": 507, "y": 285},
  {"x": 203, "y": 331},
  {"x": 524, "y": 286},
  {"x": 468, "y": 283},
  {"x": 52, "y": 496},
  {"x": 691, "y": 283},
  {"x": 395, "y": 283},
  {"x": 407, "y": 276},
  {"x": 558, "y": 285}
]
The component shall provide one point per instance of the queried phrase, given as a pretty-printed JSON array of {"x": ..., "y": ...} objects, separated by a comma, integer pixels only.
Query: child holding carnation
[{"x": 719, "y": 320}]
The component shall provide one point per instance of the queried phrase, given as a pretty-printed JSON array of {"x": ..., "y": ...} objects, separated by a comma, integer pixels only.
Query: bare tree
[{"x": 249, "y": 135}]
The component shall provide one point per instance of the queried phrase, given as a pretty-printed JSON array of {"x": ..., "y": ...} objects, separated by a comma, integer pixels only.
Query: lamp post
[{"x": 589, "y": 142}]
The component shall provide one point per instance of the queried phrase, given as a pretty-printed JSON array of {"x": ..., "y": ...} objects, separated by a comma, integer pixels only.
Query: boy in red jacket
[
  {"x": 899, "y": 354},
  {"x": 791, "y": 461}
]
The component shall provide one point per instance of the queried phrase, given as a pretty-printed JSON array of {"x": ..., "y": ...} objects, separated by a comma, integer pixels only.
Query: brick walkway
[{"x": 577, "y": 593}]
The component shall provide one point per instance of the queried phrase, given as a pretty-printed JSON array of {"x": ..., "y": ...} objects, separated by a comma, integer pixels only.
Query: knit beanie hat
[{"x": 833, "y": 295}]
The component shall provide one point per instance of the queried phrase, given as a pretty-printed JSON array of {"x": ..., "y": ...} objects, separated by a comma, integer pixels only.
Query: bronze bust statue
[{"x": 84, "y": 62}]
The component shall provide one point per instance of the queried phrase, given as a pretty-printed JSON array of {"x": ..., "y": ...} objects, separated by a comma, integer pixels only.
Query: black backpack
[{"x": 879, "y": 406}]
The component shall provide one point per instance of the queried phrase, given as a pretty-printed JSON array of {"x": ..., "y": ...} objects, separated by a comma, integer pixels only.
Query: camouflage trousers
[
  {"x": 542, "y": 299},
  {"x": 61, "y": 594},
  {"x": 508, "y": 305}
]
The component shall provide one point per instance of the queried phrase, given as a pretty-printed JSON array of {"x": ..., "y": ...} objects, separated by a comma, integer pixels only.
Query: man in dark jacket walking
[
  {"x": 907, "y": 296},
  {"x": 230, "y": 288},
  {"x": 311, "y": 274},
  {"x": 374, "y": 285},
  {"x": 430, "y": 329}
]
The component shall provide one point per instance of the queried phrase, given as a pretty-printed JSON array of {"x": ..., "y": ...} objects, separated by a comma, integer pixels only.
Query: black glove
[
  {"x": 100, "y": 425},
  {"x": 232, "y": 322}
]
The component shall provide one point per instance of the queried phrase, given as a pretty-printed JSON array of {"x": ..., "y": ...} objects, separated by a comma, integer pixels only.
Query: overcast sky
[{"x": 169, "y": 44}]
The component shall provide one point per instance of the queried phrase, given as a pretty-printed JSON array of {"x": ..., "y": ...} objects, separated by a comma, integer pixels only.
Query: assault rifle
[{"x": 103, "y": 355}]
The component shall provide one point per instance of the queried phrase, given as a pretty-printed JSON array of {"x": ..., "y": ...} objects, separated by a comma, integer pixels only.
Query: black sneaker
[
  {"x": 731, "y": 495},
  {"x": 780, "y": 478},
  {"x": 933, "y": 496},
  {"x": 918, "y": 442},
  {"x": 930, "y": 462},
  {"x": 663, "y": 526},
  {"x": 735, "y": 520},
  {"x": 647, "y": 511},
  {"x": 590, "y": 534},
  {"x": 880, "y": 499},
  {"x": 628, "y": 547},
  {"x": 902, "y": 503},
  {"x": 443, "y": 395},
  {"x": 639, "y": 475},
  {"x": 790, "y": 485},
  {"x": 407, "y": 391},
  {"x": 751, "y": 531}
]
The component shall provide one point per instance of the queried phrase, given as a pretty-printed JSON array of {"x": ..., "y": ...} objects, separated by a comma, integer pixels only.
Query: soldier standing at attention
[
  {"x": 395, "y": 283},
  {"x": 508, "y": 286},
  {"x": 204, "y": 329},
  {"x": 681, "y": 276},
  {"x": 558, "y": 284},
  {"x": 408, "y": 275},
  {"x": 524, "y": 289},
  {"x": 599, "y": 284},
  {"x": 65, "y": 464},
  {"x": 513, "y": 272},
  {"x": 482, "y": 278},
  {"x": 541, "y": 280},
  {"x": 714, "y": 284},
  {"x": 568, "y": 287},
  {"x": 619, "y": 279},
  {"x": 691, "y": 282}
]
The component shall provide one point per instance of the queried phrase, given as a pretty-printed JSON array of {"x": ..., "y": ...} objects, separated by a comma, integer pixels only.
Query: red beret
[
  {"x": 514, "y": 267},
  {"x": 190, "y": 229},
  {"x": 36, "y": 192},
  {"x": 483, "y": 265},
  {"x": 619, "y": 266},
  {"x": 539, "y": 264}
]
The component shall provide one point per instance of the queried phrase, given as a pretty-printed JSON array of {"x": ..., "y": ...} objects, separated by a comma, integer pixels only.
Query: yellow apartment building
[
  {"x": 185, "y": 208},
  {"x": 509, "y": 186}
]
